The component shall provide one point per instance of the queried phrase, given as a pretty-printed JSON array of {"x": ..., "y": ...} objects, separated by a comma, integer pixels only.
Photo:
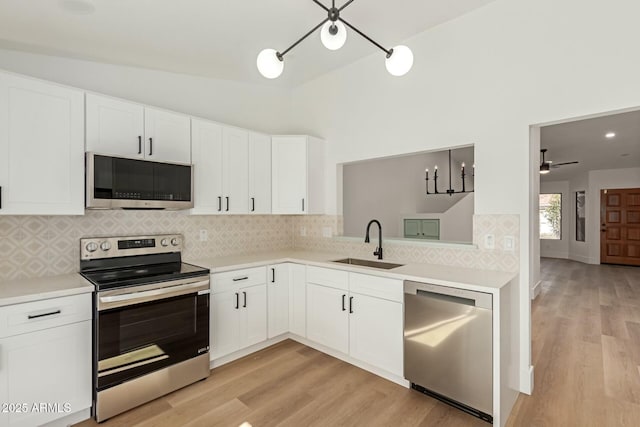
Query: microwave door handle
[{"x": 152, "y": 295}]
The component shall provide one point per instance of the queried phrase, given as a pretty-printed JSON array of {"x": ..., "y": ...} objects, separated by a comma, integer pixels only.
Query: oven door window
[{"x": 135, "y": 340}]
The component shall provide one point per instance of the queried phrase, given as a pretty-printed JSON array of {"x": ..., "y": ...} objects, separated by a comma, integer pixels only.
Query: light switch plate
[
  {"x": 326, "y": 232},
  {"x": 489, "y": 241},
  {"x": 303, "y": 231},
  {"x": 509, "y": 243},
  {"x": 204, "y": 235}
]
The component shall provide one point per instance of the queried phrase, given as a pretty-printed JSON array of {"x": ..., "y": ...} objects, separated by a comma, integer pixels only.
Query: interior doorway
[{"x": 620, "y": 226}]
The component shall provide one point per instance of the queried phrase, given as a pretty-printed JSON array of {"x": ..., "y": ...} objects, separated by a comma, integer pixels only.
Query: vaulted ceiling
[{"x": 213, "y": 38}]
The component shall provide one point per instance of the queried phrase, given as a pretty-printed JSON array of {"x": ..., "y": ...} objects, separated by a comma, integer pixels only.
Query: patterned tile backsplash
[
  {"x": 36, "y": 246},
  {"x": 474, "y": 256}
]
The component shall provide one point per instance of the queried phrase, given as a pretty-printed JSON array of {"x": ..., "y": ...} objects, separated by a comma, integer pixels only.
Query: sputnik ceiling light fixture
[
  {"x": 450, "y": 191},
  {"x": 333, "y": 35}
]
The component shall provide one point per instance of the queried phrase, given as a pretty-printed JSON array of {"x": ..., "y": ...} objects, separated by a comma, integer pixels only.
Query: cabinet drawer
[
  {"x": 328, "y": 277},
  {"x": 230, "y": 280},
  {"x": 37, "y": 315},
  {"x": 375, "y": 286}
]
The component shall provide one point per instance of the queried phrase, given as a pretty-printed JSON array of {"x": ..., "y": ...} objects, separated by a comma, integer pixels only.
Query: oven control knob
[
  {"x": 105, "y": 246},
  {"x": 164, "y": 242},
  {"x": 175, "y": 241},
  {"x": 91, "y": 247}
]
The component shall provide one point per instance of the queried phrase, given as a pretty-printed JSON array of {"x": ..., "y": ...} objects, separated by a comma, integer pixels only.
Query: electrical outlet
[
  {"x": 303, "y": 231},
  {"x": 489, "y": 241},
  {"x": 509, "y": 243},
  {"x": 326, "y": 232},
  {"x": 204, "y": 235}
]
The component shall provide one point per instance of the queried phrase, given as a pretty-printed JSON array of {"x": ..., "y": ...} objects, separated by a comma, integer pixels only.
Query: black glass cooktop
[{"x": 142, "y": 274}]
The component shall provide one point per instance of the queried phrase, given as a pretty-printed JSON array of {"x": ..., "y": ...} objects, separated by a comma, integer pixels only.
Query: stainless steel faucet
[{"x": 378, "y": 250}]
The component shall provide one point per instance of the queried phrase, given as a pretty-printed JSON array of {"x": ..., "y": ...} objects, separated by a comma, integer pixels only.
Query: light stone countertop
[
  {"x": 457, "y": 277},
  {"x": 19, "y": 291}
]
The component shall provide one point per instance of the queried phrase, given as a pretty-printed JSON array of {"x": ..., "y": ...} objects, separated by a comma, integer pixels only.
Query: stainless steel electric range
[{"x": 151, "y": 319}]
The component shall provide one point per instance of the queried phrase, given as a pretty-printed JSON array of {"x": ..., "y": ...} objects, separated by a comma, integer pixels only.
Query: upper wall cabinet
[
  {"x": 297, "y": 167},
  {"x": 127, "y": 129},
  {"x": 41, "y": 148},
  {"x": 228, "y": 164},
  {"x": 259, "y": 173}
]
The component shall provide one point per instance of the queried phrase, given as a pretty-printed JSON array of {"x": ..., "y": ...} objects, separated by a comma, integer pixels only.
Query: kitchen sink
[{"x": 367, "y": 263}]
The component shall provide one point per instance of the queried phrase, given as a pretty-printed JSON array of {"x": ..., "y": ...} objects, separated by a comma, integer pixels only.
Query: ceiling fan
[{"x": 546, "y": 165}]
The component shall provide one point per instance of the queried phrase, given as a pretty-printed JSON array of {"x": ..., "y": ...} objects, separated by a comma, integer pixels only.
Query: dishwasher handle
[{"x": 452, "y": 295}]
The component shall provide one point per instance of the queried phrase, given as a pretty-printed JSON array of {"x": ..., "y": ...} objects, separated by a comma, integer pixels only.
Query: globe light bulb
[
  {"x": 400, "y": 61},
  {"x": 333, "y": 41},
  {"x": 268, "y": 64}
]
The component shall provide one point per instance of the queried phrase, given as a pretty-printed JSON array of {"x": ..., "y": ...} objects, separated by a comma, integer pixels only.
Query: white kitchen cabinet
[
  {"x": 221, "y": 168},
  {"x": 207, "y": 170},
  {"x": 235, "y": 170},
  {"x": 41, "y": 148},
  {"x": 328, "y": 317},
  {"x": 259, "y": 173},
  {"x": 114, "y": 126},
  {"x": 297, "y": 300},
  {"x": 45, "y": 364},
  {"x": 375, "y": 332},
  {"x": 238, "y": 310},
  {"x": 253, "y": 315},
  {"x": 121, "y": 128},
  {"x": 167, "y": 136},
  {"x": 278, "y": 298},
  {"x": 297, "y": 167}
]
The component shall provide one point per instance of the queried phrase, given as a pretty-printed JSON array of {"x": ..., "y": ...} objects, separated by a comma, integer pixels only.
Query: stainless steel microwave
[{"x": 123, "y": 183}]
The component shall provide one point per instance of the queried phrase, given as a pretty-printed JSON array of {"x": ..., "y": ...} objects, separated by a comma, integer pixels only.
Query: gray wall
[{"x": 389, "y": 189}]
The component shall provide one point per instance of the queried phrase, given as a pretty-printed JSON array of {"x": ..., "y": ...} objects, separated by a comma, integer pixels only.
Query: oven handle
[{"x": 112, "y": 301}]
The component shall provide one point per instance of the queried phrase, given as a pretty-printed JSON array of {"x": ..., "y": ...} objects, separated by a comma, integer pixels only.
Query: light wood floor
[
  {"x": 585, "y": 349},
  {"x": 586, "y": 352}
]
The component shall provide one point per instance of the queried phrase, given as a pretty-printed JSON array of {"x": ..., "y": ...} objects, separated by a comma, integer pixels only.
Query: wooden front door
[{"x": 620, "y": 226}]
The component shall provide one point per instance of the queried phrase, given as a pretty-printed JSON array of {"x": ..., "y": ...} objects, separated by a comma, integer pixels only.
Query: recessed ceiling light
[
  {"x": 610, "y": 135},
  {"x": 78, "y": 7}
]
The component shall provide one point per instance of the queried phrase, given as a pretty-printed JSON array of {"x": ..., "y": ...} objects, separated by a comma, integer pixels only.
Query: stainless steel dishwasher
[{"x": 448, "y": 346}]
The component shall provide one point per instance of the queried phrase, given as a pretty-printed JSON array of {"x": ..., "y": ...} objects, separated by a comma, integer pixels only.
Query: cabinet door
[
  {"x": 51, "y": 366},
  {"x": 278, "y": 299},
  {"x": 412, "y": 228},
  {"x": 207, "y": 167},
  {"x": 259, "y": 173},
  {"x": 328, "y": 317},
  {"x": 375, "y": 332},
  {"x": 253, "y": 315},
  {"x": 235, "y": 170},
  {"x": 114, "y": 126},
  {"x": 167, "y": 136},
  {"x": 297, "y": 300},
  {"x": 431, "y": 229},
  {"x": 41, "y": 148},
  {"x": 289, "y": 175},
  {"x": 225, "y": 325}
]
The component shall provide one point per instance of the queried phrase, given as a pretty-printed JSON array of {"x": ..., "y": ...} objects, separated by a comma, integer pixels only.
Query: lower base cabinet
[
  {"x": 375, "y": 332},
  {"x": 298, "y": 300},
  {"x": 45, "y": 375},
  {"x": 238, "y": 319},
  {"x": 328, "y": 317}
]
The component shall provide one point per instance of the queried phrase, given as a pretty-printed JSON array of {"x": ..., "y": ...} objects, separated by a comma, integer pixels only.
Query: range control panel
[{"x": 111, "y": 247}]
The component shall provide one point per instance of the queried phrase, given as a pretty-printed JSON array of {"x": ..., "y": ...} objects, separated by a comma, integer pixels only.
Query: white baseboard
[
  {"x": 535, "y": 290},
  {"x": 554, "y": 254},
  {"x": 580, "y": 258},
  {"x": 526, "y": 380}
]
